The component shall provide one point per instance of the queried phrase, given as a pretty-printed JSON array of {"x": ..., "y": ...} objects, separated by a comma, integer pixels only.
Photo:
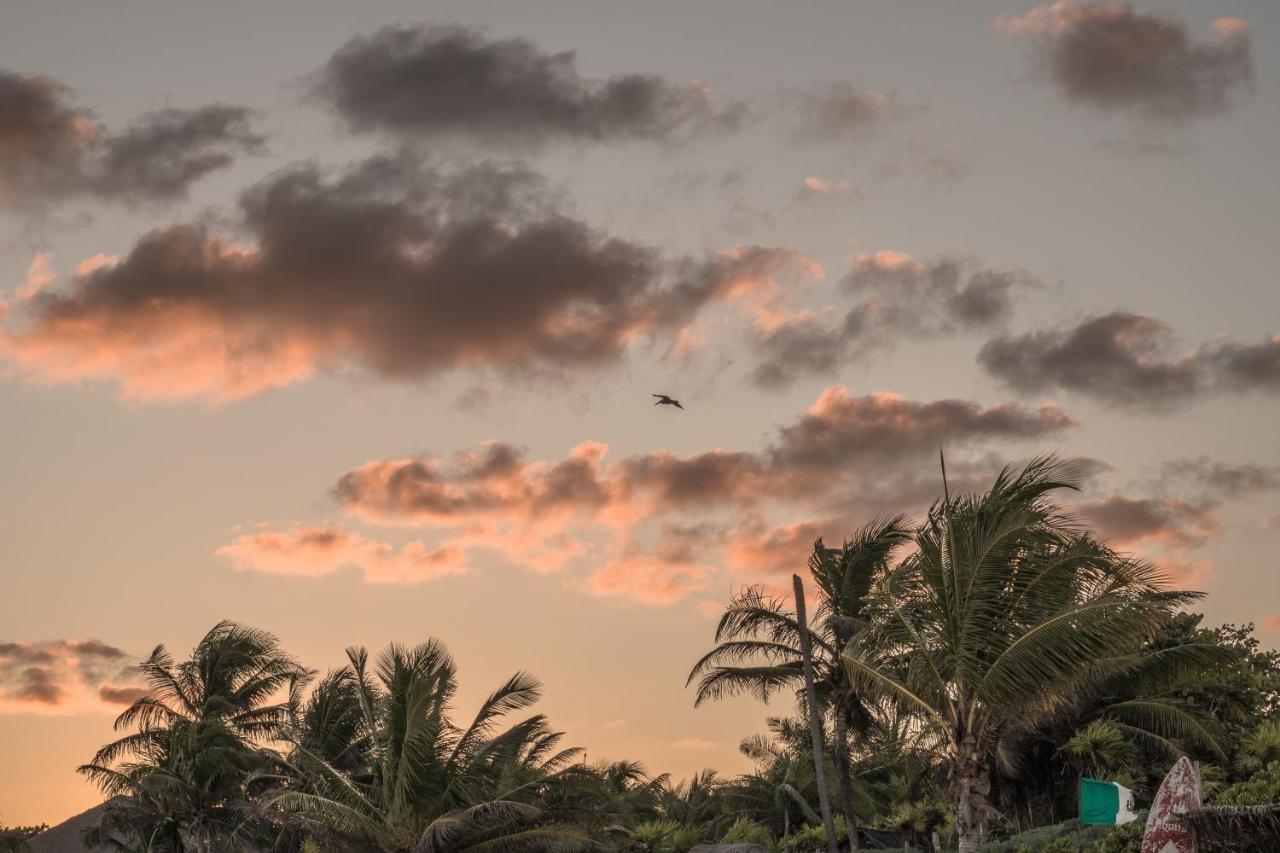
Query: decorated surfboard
[{"x": 1179, "y": 793}]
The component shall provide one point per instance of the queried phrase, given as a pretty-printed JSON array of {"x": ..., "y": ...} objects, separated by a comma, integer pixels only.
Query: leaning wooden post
[{"x": 815, "y": 719}]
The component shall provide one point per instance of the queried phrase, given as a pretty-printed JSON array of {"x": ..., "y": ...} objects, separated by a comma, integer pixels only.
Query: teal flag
[{"x": 1105, "y": 803}]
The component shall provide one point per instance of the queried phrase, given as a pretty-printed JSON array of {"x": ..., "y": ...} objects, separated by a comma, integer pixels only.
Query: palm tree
[
  {"x": 1000, "y": 614},
  {"x": 1100, "y": 749},
  {"x": 758, "y": 652},
  {"x": 1261, "y": 747},
  {"x": 431, "y": 785},
  {"x": 180, "y": 778},
  {"x": 783, "y": 780},
  {"x": 815, "y": 715}
]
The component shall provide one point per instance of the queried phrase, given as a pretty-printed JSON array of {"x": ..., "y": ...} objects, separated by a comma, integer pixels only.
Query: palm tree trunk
[
  {"x": 970, "y": 798},
  {"x": 815, "y": 720},
  {"x": 842, "y": 771}
]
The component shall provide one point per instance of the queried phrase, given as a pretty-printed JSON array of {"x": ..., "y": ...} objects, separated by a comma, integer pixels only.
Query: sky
[{"x": 343, "y": 322}]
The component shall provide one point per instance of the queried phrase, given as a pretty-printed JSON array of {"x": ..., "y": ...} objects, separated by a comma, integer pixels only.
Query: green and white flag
[{"x": 1105, "y": 803}]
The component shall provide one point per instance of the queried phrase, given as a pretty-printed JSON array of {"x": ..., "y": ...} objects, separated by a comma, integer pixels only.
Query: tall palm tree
[
  {"x": 430, "y": 784},
  {"x": 180, "y": 777},
  {"x": 1003, "y": 610},
  {"x": 814, "y": 713},
  {"x": 758, "y": 652}
]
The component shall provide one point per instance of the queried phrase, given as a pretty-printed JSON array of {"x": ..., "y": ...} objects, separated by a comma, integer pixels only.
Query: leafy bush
[
  {"x": 13, "y": 839},
  {"x": 1048, "y": 838},
  {"x": 746, "y": 831},
  {"x": 662, "y": 836},
  {"x": 813, "y": 839},
  {"x": 1259, "y": 789},
  {"x": 1123, "y": 839}
]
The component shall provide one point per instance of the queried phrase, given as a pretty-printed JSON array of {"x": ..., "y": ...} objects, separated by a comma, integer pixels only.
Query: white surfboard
[{"x": 1179, "y": 793}]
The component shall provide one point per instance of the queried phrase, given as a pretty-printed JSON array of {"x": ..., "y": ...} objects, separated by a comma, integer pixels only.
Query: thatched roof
[
  {"x": 1237, "y": 828},
  {"x": 65, "y": 837}
]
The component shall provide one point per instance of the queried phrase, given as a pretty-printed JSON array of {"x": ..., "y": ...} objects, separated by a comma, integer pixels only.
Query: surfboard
[{"x": 1179, "y": 793}]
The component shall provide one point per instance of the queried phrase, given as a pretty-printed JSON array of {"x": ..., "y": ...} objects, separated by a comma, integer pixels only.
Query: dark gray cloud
[
  {"x": 1220, "y": 479},
  {"x": 841, "y": 110},
  {"x": 1130, "y": 360},
  {"x": 449, "y": 80},
  {"x": 162, "y": 154},
  {"x": 840, "y": 429},
  {"x": 1113, "y": 57},
  {"x": 52, "y": 149},
  {"x": 898, "y": 299},
  {"x": 1126, "y": 520},
  {"x": 394, "y": 267},
  {"x": 54, "y": 673}
]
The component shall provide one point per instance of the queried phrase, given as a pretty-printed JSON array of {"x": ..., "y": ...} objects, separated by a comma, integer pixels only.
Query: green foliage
[
  {"x": 973, "y": 679},
  {"x": 1050, "y": 837},
  {"x": 1100, "y": 750},
  {"x": 182, "y": 775},
  {"x": 1126, "y": 838},
  {"x": 1261, "y": 788},
  {"x": 662, "y": 836},
  {"x": 1261, "y": 746},
  {"x": 13, "y": 839},
  {"x": 1058, "y": 845},
  {"x": 813, "y": 838},
  {"x": 746, "y": 831},
  {"x": 995, "y": 621}
]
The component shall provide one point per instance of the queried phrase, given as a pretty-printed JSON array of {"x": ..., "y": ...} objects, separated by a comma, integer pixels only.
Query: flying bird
[{"x": 664, "y": 400}]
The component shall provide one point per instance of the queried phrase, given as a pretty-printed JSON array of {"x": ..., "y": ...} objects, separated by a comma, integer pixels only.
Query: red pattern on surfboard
[{"x": 1179, "y": 793}]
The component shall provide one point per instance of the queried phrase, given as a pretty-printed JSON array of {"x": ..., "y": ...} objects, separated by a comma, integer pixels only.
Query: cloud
[
  {"x": 38, "y": 276},
  {"x": 756, "y": 548},
  {"x": 1111, "y": 57},
  {"x": 694, "y": 743},
  {"x": 114, "y": 695},
  {"x": 1125, "y": 520},
  {"x": 63, "y": 677},
  {"x": 315, "y": 551},
  {"x": 841, "y": 110},
  {"x": 840, "y": 429},
  {"x": 318, "y": 551},
  {"x": 52, "y": 149},
  {"x": 1222, "y": 479},
  {"x": 162, "y": 154},
  {"x": 429, "y": 81},
  {"x": 650, "y": 579},
  {"x": 815, "y": 187},
  {"x": 1129, "y": 360},
  {"x": 655, "y": 523},
  {"x": 898, "y": 298},
  {"x": 394, "y": 268}
]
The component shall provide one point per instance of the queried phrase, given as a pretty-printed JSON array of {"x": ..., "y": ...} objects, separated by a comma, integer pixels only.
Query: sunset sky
[{"x": 342, "y": 320}]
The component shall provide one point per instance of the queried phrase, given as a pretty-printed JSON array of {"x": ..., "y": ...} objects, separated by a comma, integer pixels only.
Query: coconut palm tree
[
  {"x": 1004, "y": 609},
  {"x": 758, "y": 651},
  {"x": 180, "y": 777},
  {"x": 431, "y": 785},
  {"x": 783, "y": 782}
]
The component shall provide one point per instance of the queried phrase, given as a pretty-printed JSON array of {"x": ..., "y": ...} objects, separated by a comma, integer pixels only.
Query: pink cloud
[
  {"x": 61, "y": 677},
  {"x": 1187, "y": 574},
  {"x": 1128, "y": 520},
  {"x": 38, "y": 276},
  {"x": 650, "y": 579},
  {"x": 652, "y": 525},
  {"x": 317, "y": 551}
]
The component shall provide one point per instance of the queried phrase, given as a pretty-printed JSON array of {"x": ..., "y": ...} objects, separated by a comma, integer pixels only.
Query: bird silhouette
[{"x": 664, "y": 400}]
